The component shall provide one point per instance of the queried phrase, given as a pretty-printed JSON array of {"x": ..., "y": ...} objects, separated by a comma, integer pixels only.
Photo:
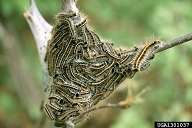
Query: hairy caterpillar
[
  {"x": 85, "y": 69},
  {"x": 141, "y": 60}
]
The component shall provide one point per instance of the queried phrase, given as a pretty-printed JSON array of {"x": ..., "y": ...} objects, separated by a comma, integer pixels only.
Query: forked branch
[{"x": 42, "y": 33}]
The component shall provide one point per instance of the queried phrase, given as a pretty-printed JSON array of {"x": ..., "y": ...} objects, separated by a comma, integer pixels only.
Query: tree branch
[
  {"x": 127, "y": 103},
  {"x": 42, "y": 33},
  {"x": 69, "y": 6},
  {"x": 174, "y": 42}
]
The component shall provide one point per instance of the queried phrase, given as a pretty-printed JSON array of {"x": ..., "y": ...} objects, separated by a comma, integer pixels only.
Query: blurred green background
[{"x": 125, "y": 23}]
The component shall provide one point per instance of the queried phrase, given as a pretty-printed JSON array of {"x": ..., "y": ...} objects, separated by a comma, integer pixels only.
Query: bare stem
[
  {"x": 69, "y": 6},
  {"x": 127, "y": 103},
  {"x": 42, "y": 33},
  {"x": 174, "y": 42}
]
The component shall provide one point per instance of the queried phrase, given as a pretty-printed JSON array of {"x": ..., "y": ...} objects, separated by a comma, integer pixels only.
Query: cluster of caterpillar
[{"x": 85, "y": 69}]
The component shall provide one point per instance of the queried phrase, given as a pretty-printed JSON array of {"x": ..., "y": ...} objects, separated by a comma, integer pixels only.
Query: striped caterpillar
[
  {"x": 84, "y": 69},
  {"x": 141, "y": 59}
]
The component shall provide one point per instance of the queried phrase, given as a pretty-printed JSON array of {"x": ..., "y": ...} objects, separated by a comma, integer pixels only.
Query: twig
[
  {"x": 174, "y": 42},
  {"x": 69, "y": 6},
  {"x": 42, "y": 33},
  {"x": 129, "y": 101}
]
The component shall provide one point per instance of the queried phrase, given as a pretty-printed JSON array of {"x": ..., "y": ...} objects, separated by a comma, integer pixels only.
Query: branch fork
[{"x": 42, "y": 33}]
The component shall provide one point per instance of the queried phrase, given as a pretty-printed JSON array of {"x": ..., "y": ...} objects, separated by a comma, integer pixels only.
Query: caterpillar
[
  {"x": 85, "y": 69},
  {"x": 141, "y": 61}
]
